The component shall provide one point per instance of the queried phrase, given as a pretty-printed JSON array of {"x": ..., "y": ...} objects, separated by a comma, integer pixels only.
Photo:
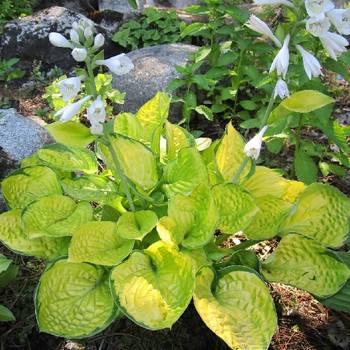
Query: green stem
[
  {"x": 238, "y": 78},
  {"x": 91, "y": 77},
  {"x": 268, "y": 109},
  {"x": 121, "y": 175},
  {"x": 240, "y": 170}
]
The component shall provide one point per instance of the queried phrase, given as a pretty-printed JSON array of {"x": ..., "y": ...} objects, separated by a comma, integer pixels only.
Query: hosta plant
[
  {"x": 133, "y": 226},
  {"x": 133, "y": 213}
]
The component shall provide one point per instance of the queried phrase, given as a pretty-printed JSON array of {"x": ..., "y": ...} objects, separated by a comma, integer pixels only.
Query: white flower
[
  {"x": 96, "y": 128},
  {"x": 96, "y": 112},
  {"x": 119, "y": 65},
  {"x": 253, "y": 147},
  {"x": 57, "y": 39},
  {"x": 88, "y": 33},
  {"x": 69, "y": 88},
  {"x": 341, "y": 20},
  {"x": 259, "y": 26},
  {"x": 316, "y": 7},
  {"x": 274, "y": 2},
  {"x": 281, "y": 61},
  {"x": 79, "y": 54},
  {"x": 281, "y": 89},
  {"x": 334, "y": 44},
  {"x": 203, "y": 143},
  {"x": 99, "y": 41},
  {"x": 311, "y": 64},
  {"x": 74, "y": 36},
  {"x": 68, "y": 112},
  {"x": 318, "y": 25}
]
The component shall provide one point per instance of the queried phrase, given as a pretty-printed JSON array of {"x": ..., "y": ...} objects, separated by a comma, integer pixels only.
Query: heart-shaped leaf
[
  {"x": 306, "y": 264},
  {"x": 73, "y": 300},
  {"x": 323, "y": 213},
  {"x": 153, "y": 287},
  {"x": 237, "y": 307}
]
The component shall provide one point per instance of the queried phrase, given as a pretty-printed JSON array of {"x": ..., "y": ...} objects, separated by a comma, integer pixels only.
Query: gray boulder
[
  {"x": 154, "y": 70},
  {"x": 27, "y": 37},
  {"x": 20, "y": 137}
]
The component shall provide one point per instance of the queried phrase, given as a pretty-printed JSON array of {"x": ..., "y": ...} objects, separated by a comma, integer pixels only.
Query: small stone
[
  {"x": 154, "y": 70},
  {"x": 20, "y": 137}
]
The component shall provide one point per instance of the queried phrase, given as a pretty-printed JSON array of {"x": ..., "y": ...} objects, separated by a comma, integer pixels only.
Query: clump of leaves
[
  {"x": 11, "y": 9},
  {"x": 229, "y": 78},
  {"x": 7, "y": 70},
  {"x": 152, "y": 28},
  {"x": 8, "y": 272},
  {"x": 135, "y": 237}
]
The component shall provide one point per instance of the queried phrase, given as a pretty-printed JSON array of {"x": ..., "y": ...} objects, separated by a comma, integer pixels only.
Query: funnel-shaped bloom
[
  {"x": 281, "y": 61},
  {"x": 311, "y": 64},
  {"x": 341, "y": 20},
  {"x": 334, "y": 44},
  {"x": 68, "y": 112},
  {"x": 274, "y": 2},
  {"x": 259, "y": 26},
  {"x": 316, "y": 7},
  {"x": 119, "y": 65},
  {"x": 58, "y": 40},
  {"x": 253, "y": 147},
  {"x": 281, "y": 89},
  {"x": 318, "y": 25},
  {"x": 69, "y": 88}
]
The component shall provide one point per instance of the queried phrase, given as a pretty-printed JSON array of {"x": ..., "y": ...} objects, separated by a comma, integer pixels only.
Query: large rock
[
  {"x": 27, "y": 37},
  {"x": 154, "y": 70},
  {"x": 20, "y": 137}
]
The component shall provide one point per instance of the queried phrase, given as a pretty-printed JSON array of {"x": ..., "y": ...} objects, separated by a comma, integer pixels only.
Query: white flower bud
[
  {"x": 99, "y": 41},
  {"x": 74, "y": 36},
  {"x": 58, "y": 40},
  {"x": 79, "y": 54}
]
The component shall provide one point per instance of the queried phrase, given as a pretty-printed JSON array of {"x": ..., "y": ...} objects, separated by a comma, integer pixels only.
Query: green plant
[
  {"x": 7, "y": 70},
  {"x": 137, "y": 223},
  {"x": 8, "y": 272},
  {"x": 152, "y": 28},
  {"x": 11, "y": 9},
  {"x": 139, "y": 232},
  {"x": 228, "y": 78}
]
